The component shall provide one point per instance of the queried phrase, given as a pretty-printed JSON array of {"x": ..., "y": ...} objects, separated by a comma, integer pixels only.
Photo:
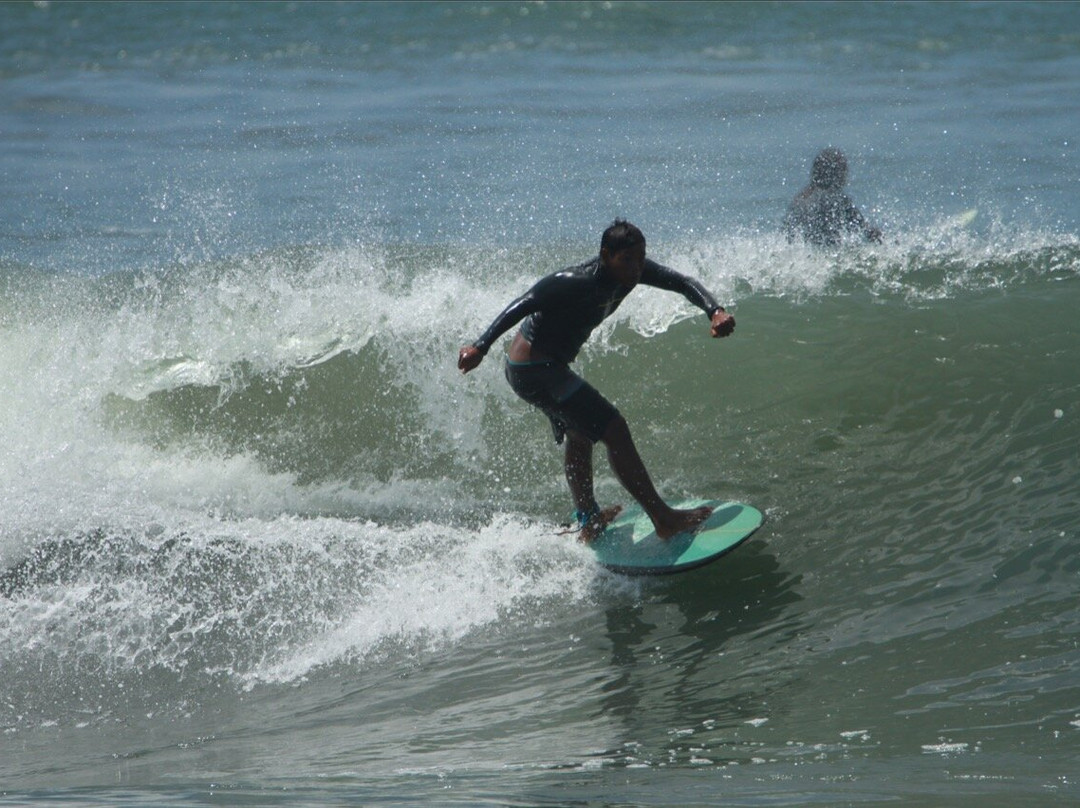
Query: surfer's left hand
[{"x": 722, "y": 323}]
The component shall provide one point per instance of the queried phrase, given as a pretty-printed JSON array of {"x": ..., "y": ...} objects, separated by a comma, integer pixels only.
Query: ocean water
[{"x": 261, "y": 542}]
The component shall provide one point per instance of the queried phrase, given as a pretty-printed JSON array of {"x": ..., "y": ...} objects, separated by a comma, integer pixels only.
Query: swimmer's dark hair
[{"x": 621, "y": 235}]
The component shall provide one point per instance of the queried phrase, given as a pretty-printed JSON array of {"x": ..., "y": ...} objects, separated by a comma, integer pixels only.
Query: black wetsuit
[
  {"x": 821, "y": 216},
  {"x": 560, "y": 313},
  {"x": 564, "y": 308}
]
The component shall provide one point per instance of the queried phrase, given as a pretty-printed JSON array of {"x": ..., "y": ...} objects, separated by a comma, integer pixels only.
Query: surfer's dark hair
[
  {"x": 830, "y": 169},
  {"x": 621, "y": 235}
]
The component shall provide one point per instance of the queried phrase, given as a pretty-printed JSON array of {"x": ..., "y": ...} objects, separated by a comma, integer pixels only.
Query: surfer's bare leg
[
  {"x": 578, "y": 465},
  {"x": 631, "y": 471}
]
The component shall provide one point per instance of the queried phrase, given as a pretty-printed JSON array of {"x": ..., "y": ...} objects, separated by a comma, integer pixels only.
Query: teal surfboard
[{"x": 629, "y": 544}]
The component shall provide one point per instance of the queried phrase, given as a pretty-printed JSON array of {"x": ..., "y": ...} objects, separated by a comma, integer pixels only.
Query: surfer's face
[{"x": 625, "y": 266}]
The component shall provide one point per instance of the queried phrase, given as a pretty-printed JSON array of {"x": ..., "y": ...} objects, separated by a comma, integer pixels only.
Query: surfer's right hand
[{"x": 469, "y": 358}]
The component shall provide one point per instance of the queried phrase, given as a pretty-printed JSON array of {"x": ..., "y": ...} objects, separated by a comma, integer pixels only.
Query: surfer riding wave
[{"x": 560, "y": 312}]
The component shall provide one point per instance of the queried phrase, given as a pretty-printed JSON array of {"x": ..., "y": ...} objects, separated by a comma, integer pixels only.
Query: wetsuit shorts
[{"x": 569, "y": 402}]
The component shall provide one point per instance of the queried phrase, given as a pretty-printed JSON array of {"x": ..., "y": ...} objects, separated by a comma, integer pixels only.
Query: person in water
[
  {"x": 822, "y": 213},
  {"x": 560, "y": 312}
]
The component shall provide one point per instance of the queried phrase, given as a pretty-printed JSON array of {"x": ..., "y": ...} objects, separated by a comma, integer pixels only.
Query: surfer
[
  {"x": 560, "y": 312},
  {"x": 821, "y": 212}
]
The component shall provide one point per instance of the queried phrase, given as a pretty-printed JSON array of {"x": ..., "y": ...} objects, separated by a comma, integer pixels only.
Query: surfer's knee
[{"x": 617, "y": 432}]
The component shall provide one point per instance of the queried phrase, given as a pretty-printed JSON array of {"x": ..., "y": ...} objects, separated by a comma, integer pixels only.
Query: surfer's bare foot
[
  {"x": 596, "y": 524},
  {"x": 677, "y": 522}
]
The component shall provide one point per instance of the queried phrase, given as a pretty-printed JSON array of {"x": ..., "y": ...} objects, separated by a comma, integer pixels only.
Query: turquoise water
[{"x": 260, "y": 542}]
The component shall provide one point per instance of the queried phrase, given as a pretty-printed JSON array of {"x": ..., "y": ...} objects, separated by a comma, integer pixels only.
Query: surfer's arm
[
  {"x": 472, "y": 355},
  {"x": 795, "y": 222},
  {"x": 856, "y": 221},
  {"x": 513, "y": 314},
  {"x": 720, "y": 322},
  {"x": 669, "y": 280}
]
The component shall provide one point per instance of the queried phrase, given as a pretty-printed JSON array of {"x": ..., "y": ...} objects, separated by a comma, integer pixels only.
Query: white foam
[
  {"x": 945, "y": 748},
  {"x": 443, "y": 585}
]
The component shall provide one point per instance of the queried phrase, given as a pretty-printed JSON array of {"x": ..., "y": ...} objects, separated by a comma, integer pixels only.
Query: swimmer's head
[{"x": 830, "y": 169}]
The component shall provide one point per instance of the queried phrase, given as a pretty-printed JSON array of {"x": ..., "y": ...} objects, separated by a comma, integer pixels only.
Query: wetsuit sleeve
[
  {"x": 795, "y": 220},
  {"x": 856, "y": 222},
  {"x": 853, "y": 217},
  {"x": 510, "y": 316},
  {"x": 671, "y": 281},
  {"x": 548, "y": 292}
]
